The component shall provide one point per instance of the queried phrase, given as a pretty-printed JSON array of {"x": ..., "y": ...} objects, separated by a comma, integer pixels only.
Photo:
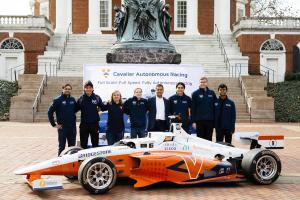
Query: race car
[{"x": 173, "y": 156}]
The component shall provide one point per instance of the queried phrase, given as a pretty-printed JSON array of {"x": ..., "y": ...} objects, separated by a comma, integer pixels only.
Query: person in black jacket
[
  {"x": 203, "y": 101},
  {"x": 64, "y": 107},
  {"x": 180, "y": 104},
  {"x": 225, "y": 116},
  {"x": 136, "y": 108},
  {"x": 89, "y": 104},
  {"x": 115, "y": 120},
  {"x": 159, "y": 109}
]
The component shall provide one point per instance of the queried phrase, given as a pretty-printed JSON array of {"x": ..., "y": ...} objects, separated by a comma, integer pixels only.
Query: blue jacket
[
  {"x": 137, "y": 110},
  {"x": 225, "y": 115},
  {"x": 115, "y": 120},
  {"x": 203, "y": 105},
  {"x": 180, "y": 105},
  {"x": 89, "y": 107},
  {"x": 152, "y": 111},
  {"x": 64, "y": 108}
]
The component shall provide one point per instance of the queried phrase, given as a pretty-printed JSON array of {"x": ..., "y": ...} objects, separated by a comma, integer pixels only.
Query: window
[
  {"x": 272, "y": 45},
  {"x": 11, "y": 43},
  {"x": 240, "y": 14},
  {"x": 180, "y": 15},
  {"x": 105, "y": 14}
]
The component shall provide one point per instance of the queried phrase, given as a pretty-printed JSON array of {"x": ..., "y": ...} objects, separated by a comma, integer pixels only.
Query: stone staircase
[{"x": 91, "y": 49}]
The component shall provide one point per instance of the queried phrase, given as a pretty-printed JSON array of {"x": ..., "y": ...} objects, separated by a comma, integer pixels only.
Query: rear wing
[{"x": 255, "y": 140}]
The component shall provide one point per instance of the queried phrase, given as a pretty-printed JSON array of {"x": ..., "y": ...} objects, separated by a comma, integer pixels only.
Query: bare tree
[{"x": 271, "y": 8}]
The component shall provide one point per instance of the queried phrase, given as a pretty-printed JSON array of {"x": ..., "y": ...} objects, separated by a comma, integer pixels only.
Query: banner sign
[{"x": 127, "y": 77}]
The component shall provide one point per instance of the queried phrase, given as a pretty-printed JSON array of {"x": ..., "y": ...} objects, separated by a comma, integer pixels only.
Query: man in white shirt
[{"x": 158, "y": 107}]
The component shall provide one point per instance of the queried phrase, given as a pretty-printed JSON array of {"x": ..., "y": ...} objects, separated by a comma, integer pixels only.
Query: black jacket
[
  {"x": 137, "y": 110},
  {"x": 203, "y": 105},
  {"x": 115, "y": 120},
  {"x": 152, "y": 111},
  {"x": 64, "y": 108},
  {"x": 180, "y": 105},
  {"x": 225, "y": 115},
  {"x": 89, "y": 107}
]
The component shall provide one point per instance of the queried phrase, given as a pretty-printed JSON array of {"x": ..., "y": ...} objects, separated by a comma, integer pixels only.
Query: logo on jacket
[
  {"x": 175, "y": 101},
  {"x": 105, "y": 72},
  {"x": 134, "y": 103},
  {"x": 201, "y": 96},
  {"x": 64, "y": 102},
  {"x": 228, "y": 105},
  {"x": 94, "y": 101},
  {"x": 216, "y": 104}
]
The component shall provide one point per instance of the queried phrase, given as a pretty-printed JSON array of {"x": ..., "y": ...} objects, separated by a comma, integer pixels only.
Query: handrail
[
  {"x": 14, "y": 69},
  {"x": 63, "y": 50},
  {"x": 246, "y": 98},
  {"x": 38, "y": 98},
  {"x": 51, "y": 66},
  {"x": 223, "y": 51},
  {"x": 266, "y": 70}
]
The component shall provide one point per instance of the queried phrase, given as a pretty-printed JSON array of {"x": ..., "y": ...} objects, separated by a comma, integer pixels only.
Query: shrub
[
  {"x": 287, "y": 100},
  {"x": 7, "y": 90}
]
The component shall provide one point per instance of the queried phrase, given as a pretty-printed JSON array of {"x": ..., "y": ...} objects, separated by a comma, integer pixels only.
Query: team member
[
  {"x": 158, "y": 107},
  {"x": 203, "y": 110},
  {"x": 64, "y": 107},
  {"x": 115, "y": 121},
  {"x": 225, "y": 116},
  {"x": 180, "y": 104},
  {"x": 89, "y": 104},
  {"x": 136, "y": 109}
]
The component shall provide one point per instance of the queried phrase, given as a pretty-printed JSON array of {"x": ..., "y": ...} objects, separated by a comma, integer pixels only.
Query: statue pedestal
[{"x": 147, "y": 52}]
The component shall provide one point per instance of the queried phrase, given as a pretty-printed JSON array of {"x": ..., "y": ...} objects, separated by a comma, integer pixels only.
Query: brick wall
[
  {"x": 34, "y": 44},
  {"x": 250, "y": 46},
  {"x": 206, "y": 16},
  {"x": 80, "y": 16},
  {"x": 289, "y": 42},
  {"x": 3, "y": 36},
  {"x": 52, "y": 12}
]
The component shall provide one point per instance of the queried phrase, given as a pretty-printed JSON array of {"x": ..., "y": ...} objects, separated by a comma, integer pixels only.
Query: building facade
[{"x": 269, "y": 43}]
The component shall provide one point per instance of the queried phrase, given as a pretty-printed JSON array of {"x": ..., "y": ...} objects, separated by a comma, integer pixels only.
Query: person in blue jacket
[
  {"x": 159, "y": 110},
  {"x": 203, "y": 101},
  {"x": 180, "y": 104},
  {"x": 89, "y": 104},
  {"x": 115, "y": 120},
  {"x": 64, "y": 107},
  {"x": 225, "y": 116},
  {"x": 136, "y": 108}
]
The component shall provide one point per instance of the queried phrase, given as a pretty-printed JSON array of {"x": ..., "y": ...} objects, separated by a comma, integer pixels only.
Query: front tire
[
  {"x": 97, "y": 175},
  {"x": 261, "y": 166}
]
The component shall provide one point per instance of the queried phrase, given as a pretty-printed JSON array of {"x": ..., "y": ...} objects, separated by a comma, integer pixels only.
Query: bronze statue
[
  {"x": 165, "y": 21},
  {"x": 119, "y": 22}
]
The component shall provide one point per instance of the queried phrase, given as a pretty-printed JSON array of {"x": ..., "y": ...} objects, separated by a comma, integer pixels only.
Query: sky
[{"x": 21, "y": 7}]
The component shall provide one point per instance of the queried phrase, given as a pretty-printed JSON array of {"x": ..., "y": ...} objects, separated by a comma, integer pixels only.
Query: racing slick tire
[
  {"x": 69, "y": 151},
  {"x": 97, "y": 175},
  {"x": 261, "y": 166}
]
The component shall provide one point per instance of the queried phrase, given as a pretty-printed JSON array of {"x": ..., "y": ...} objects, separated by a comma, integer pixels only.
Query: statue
[
  {"x": 165, "y": 21},
  {"x": 143, "y": 28},
  {"x": 119, "y": 22}
]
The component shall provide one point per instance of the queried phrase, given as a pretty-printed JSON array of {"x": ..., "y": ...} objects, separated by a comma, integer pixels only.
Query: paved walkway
[{"x": 26, "y": 144}]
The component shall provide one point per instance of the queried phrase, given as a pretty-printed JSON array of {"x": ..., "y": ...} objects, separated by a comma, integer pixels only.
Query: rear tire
[
  {"x": 97, "y": 175},
  {"x": 69, "y": 151},
  {"x": 261, "y": 166}
]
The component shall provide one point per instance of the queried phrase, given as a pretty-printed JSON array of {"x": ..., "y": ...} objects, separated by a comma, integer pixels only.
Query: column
[
  {"x": 94, "y": 17},
  {"x": 222, "y": 15},
  {"x": 61, "y": 16},
  {"x": 192, "y": 18}
]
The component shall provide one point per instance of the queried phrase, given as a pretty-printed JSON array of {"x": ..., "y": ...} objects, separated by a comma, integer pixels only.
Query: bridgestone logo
[{"x": 93, "y": 154}]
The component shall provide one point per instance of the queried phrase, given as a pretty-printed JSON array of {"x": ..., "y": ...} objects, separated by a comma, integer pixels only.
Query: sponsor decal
[
  {"x": 93, "y": 154},
  {"x": 186, "y": 147},
  {"x": 221, "y": 171},
  {"x": 170, "y": 146},
  {"x": 273, "y": 143}
]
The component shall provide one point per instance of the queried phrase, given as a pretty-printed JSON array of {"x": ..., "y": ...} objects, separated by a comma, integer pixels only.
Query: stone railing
[
  {"x": 273, "y": 23},
  {"x": 24, "y": 22}
]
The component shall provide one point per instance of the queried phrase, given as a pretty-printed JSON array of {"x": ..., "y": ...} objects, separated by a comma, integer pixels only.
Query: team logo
[
  {"x": 72, "y": 102},
  {"x": 216, "y": 104},
  {"x": 105, "y": 72},
  {"x": 184, "y": 101},
  {"x": 64, "y": 102},
  {"x": 94, "y": 101},
  {"x": 201, "y": 96},
  {"x": 228, "y": 105},
  {"x": 175, "y": 101},
  {"x": 210, "y": 95},
  {"x": 134, "y": 103}
]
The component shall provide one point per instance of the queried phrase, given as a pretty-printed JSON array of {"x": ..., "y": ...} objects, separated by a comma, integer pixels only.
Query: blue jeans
[
  {"x": 138, "y": 131},
  {"x": 66, "y": 133},
  {"x": 114, "y": 137}
]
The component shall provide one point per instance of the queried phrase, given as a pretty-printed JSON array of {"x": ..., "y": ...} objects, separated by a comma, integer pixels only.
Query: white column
[
  {"x": 94, "y": 17},
  {"x": 192, "y": 18},
  {"x": 222, "y": 15},
  {"x": 61, "y": 16}
]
